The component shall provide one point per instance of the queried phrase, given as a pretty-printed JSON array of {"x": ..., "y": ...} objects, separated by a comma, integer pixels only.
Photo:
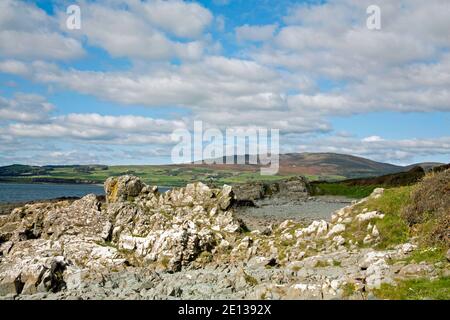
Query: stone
[
  {"x": 375, "y": 232},
  {"x": 416, "y": 270},
  {"x": 122, "y": 188},
  {"x": 407, "y": 248},
  {"x": 339, "y": 240},
  {"x": 338, "y": 228},
  {"x": 369, "y": 216}
]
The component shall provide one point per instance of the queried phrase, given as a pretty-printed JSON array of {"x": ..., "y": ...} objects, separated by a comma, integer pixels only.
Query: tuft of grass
[
  {"x": 336, "y": 263},
  {"x": 321, "y": 264},
  {"x": 416, "y": 289},
  {"x": 349, "y": 289},
  {"x": 250, "y": 280}
]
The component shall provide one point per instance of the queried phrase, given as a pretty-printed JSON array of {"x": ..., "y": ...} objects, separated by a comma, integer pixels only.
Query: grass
[
  {"x": 321, "y": 264},
  {"x": 417, "y": 289},
  {"x": 392, "y": 228},
  {"x": 250, "y": 280},
  {"x": 349, "y": 289},
  {"x": 341, "y": 189},
  {"x": 430, "y": 255},
  {"x": 162, "y": 175}
]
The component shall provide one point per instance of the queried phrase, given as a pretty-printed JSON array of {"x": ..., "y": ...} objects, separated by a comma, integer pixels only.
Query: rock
[
  {"x": 338, "y": 228},
  {"x": 448, "y": 255},
  {"x": 294, "y": 188},
  {"x": 407, "y": 248},
  {"x": 375, "y": 232},
  {"x": 415, "y": 270},
  {"x": 376, "y": 193},
  {"x": 368, "y": 239},
  {"x": 369, "y": 216},
  {"x": 316, "y": 228},
  {"x": 122, "y": 188},
  {"x": 339, "y": 240},
  {"x": 377, "y": 273}
]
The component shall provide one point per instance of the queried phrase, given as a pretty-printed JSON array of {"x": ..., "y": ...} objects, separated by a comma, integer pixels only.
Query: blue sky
[{"x": 114, "y": 91}]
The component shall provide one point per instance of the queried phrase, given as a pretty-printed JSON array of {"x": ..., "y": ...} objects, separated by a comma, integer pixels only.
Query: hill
[
  {"x": 315, "y": 166},
  {"x": 322, "y": 165}
]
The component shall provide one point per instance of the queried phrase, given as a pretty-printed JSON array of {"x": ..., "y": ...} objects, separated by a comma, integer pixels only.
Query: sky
[{"x": 113, "y": 91}]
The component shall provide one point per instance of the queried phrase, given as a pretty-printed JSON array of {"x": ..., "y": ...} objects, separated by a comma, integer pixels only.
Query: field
[{"x": 154, "y": 175}]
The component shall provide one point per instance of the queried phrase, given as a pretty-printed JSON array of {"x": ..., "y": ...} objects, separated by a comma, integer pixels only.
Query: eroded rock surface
[{"x": 188, "y": 243}]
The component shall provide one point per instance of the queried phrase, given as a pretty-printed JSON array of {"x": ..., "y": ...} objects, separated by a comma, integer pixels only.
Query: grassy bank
[{"x": 341, "y": 189}]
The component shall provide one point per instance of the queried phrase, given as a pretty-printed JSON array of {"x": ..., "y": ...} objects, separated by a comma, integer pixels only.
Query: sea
[{"x": 23, "y": 192}]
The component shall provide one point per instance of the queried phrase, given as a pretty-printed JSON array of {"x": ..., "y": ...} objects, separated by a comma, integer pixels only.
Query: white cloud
[
  {"x": 145, "y": 30},
  {"x": 372, "y": 139},
  {"x": 98, "y": 128},
  {"x": 183, "y": 19},
  {"x": 255, "y": 33},
  {"x": 24, "y": 107},
  {"x": 402, "y": 151},
  {"x": 28, "y": 32},
  {"x": 14, "y": 67}
]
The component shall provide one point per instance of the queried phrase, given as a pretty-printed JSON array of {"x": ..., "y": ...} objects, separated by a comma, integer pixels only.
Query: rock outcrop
[
  {"x": 295, "y": 188},
  {"x": 188, "y": 243},
  {"x": 43, "y": 245}
]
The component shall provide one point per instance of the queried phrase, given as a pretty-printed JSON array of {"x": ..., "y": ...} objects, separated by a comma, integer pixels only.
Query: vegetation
[
  {"x": 362, "y": 187},
  {"x": 392, "y": 228},
  {"x": 341, "y": 189},
  {"x": 429, "y": 209},
  {"x": 430, "y": 255},
  {"x": 250, "y": 279},
  {"x": 164, "y": 175},
  {"x": 417, "y": 289},
  {"x": 348, "y": 288}
]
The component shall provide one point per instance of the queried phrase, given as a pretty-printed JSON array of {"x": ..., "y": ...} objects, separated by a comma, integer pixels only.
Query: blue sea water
[{"x": 22, "y": 192}]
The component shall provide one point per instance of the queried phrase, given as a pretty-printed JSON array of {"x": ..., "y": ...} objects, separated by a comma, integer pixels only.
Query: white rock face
[
  {"x": 135, "y": 226},
  {"x": 369, "y": 216}
]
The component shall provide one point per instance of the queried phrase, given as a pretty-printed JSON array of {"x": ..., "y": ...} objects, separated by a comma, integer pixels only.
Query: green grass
[
  {"x": 349, "y": 289},
  {"x": 417, "y": 289},
  {"x": 430, "y": 255},
  {"x": 392, "y": 228},
  {"x": 250, "y": 280},
  {"x": 163, "y": 175},
  {"x": 341, "y": 189}
]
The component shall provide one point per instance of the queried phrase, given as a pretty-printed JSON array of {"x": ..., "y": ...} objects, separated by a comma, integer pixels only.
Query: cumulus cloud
[
  {"x": 255, "y": 33},
  {"x": 401, "y": 151},
  {"x": 97, "y": 128},
  {"x": 320, "y": 61},
  {"x": 150, "y": 30},
  {"x": 24, "y": 107},
  {"x": 28, "y": 32},
  {"x": 14, "y": 67}
]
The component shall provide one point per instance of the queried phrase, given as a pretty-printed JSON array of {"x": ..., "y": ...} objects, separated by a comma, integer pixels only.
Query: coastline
[{"x": 49, "y": 181}]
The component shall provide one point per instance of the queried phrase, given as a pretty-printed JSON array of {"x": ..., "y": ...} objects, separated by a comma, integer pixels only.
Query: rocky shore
[{"x": 190, "y": 243}]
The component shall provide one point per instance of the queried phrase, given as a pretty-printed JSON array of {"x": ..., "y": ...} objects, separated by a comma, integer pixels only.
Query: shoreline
[{"x": 58, "y": 181}]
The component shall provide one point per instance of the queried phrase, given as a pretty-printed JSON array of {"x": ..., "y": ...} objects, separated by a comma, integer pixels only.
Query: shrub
[{"x": 429, "y": 208}]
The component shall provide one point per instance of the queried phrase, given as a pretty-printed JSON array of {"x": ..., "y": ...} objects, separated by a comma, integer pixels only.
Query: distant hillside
[
  {"x": 315, "y": 166},
  {"x": 22, "y": 170},
  {"x": 321, "y": 165},
  {"x": 427, "y": 166}
]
